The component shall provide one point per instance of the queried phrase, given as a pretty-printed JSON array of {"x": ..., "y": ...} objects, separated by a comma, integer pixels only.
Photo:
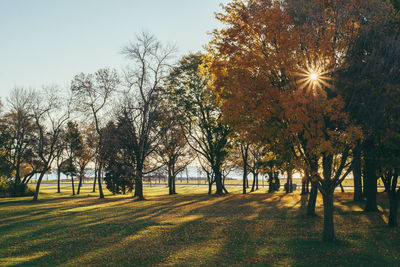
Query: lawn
[{"x": 190, "y": 229}]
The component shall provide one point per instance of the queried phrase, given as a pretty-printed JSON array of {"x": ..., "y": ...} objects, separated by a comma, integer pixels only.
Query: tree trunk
[
  {"x": 329, "y": 230},
  {"x": 73, "y": 185},
  {"x": 80, "y": 184},
  {"x": 218, "y": 182},
  {"x": 312, "y": 200},
  {"x": 289, "y": 182},
  {"x": 170, "y": 181},
  {"x": 393, "y": 207},
  {"x": 36, "y": 195},
  {"x": 139, "y": 184},
  {"x": 210, "y": 188},
  {"x": 370, "y": 176},
  {"x": 244, "y": 179},
  {"x": 139, "y": 189},
  {"x": 341, "y": 187},
  {"x": 95, "y": 180},
  {"x": 304, "y": 183},
  {"x": 271, "y": 182},
  {"x": 358, "y": 194},
  {"x": 253, "y": 186},
  {"x": 173, "y": 184},
  {"x": 58, "y": 180},
  {"x": 101, "y": 195}
]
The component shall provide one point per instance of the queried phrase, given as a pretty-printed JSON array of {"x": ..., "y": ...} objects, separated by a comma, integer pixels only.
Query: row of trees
[
  {"x": 318, "y": 83},
  {"x": 152, "y": 115},
  {"x": 307, "y": 86}
]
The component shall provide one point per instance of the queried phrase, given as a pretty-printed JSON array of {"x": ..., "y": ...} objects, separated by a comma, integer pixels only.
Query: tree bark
[
  {"x": 173, "y": 184},
  {"x": 244, "y": 179},
  {"x": 304, "y": 184},
  {"x": 73, "y": 185},
  {"x": 101, "y": 195},
  {"x": 80, "y": 184},
  {"x": 253, "y": 186},
  {"x": 218, "y": 182},
  {"x": 358, "y": 194},
  {"x": 170, "y": 182},
  {"x": 289, "y": 182},
  {"x": 58, "y": 180},
  {"x": 312, "y": 199},
  {"x": 139, "y": 184},
  {"x": 95, "y": 180},
  {"x": 329, "y": 230},
  {"x": 36, "y": 195},
  {"x": 210, "y": 188}
]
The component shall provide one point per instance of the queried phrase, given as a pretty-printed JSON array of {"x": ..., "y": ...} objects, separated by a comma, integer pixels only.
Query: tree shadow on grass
[{"x": 188, "y": 230}]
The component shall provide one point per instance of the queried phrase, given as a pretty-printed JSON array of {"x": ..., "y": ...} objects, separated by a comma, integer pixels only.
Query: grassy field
[{"x": 190, "y": 229}]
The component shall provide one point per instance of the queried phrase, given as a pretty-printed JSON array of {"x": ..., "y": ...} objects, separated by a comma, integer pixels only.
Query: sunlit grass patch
[{"x": 189, "y": 229}]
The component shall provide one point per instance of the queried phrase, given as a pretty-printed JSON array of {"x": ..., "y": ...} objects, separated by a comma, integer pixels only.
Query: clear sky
[{"x": 45, "y": 42}]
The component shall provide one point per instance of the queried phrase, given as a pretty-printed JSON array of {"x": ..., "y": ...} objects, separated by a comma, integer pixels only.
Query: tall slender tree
[{"x": 91, "y": 94}]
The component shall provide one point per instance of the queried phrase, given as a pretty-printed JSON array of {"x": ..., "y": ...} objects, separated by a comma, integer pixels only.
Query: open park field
[{"x": 190, "y": 229}]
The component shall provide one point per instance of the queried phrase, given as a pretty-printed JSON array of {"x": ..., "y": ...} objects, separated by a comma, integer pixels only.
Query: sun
[{"x": 313, "y": 78}]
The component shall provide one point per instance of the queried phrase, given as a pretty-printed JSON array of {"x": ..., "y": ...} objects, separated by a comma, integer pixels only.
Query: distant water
[{"x": 191, "y": 172}]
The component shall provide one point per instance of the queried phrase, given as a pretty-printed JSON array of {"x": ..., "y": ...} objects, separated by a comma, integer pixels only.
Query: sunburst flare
[{"x": 313, "y": 79}]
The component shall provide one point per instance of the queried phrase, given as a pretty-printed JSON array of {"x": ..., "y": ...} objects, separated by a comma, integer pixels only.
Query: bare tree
[
  {"x": 91, "y": 94},
  {"x": 139, "y": 109},
  {"x": 21, "y": 126},
  {"x": 49, "y": 120}
]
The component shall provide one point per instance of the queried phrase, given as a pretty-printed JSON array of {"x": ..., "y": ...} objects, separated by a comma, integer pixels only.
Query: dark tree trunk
[
  {"x": 289, "y": 182},
  {"x": 170, "y": 186},
  {"x": 329, "y": 230},
  {"x": 224, "y": 189},
  {"x": 73, "y": 185},
  {"x": 312, "y": 200},
  {"x": 244, "y": 180},
  {"x": 358, "y": 194},
  {"x": 101, "y": 195},
  {"x": 370, "y": 176},
  {"x": 393, "y": 207},
  {"x": 36, "y": 195},
  {"x": 173, "y": 184},
  {"x": 139, "y": 189},
  {"x": 341, "y": 187},
  {"x": 210, "y": 188},
  {"x": 58, "y": 180},
  {"x": 95, "y": 180},
  {"x": 139, "y": 183},
  {"x": 218, "y": 182},
  {"x": 80, "y": 184},
  {"x": 253, "y": 186},
  {"x": 304, "y": 184}
]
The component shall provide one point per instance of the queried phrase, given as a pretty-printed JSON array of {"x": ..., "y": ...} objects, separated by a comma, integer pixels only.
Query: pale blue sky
[{"x": 46, "y": 42}]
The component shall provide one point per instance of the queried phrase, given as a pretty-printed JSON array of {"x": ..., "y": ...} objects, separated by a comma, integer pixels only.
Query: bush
[{"x": 9, "y": 189}]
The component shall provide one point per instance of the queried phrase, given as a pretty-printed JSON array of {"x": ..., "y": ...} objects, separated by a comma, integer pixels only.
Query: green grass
[{"x": 189, "y": 229}]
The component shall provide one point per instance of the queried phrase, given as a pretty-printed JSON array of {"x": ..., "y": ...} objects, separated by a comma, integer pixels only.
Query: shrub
[{"x": 9, "y": 189}]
